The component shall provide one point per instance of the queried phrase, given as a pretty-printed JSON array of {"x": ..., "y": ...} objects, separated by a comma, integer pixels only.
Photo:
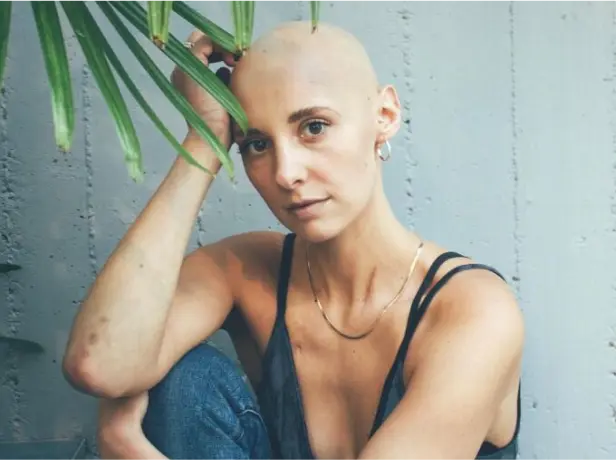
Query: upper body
[{"x": 319, "y": 120}]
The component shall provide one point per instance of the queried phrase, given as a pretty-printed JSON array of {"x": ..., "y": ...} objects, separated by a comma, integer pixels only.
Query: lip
[{"x": 306, "y": 209}]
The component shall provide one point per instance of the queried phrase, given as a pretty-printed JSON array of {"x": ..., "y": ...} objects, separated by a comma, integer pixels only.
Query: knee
[
  {"x": 202, "y": 375},
  {"x": 203, "y": 397}
]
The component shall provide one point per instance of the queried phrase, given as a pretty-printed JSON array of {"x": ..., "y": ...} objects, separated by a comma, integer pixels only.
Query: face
[{"x": 310, "y": 151}]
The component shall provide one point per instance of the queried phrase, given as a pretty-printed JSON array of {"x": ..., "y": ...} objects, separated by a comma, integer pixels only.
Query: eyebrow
[
  {"x": 307, "y": 112},
  {"x": 293, "y": 118}
]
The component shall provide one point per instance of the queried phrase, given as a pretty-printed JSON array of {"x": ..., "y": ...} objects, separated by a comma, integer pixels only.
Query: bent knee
[{"x": 202, "y": 374}]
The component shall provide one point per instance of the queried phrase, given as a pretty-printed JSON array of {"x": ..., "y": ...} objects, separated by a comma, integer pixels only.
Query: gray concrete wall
[{"x": 508, "y": 155}]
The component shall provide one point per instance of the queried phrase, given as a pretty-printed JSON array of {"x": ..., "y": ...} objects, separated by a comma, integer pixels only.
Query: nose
[{"x": 290, "y": 166}]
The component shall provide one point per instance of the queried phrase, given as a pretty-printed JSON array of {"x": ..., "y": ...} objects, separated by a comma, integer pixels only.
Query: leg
[{"x": 204, "y": 409}]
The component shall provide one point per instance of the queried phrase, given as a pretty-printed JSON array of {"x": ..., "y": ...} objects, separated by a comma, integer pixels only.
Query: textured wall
[{"x": 508, "y": 154}]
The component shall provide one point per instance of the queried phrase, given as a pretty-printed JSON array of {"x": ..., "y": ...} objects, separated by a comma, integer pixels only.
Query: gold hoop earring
[{"x": 386, "y": 156}]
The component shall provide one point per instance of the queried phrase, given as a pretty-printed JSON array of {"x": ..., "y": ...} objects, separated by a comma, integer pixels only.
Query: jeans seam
[
  {"x": 253, "y": 412},
  {"x": 259, "y": 421}
]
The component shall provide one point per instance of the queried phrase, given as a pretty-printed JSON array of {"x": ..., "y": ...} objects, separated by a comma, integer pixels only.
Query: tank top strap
[
  {"x": 417, "y": 300},
  {"x": 421, "y": 303},
  {"x": 450, "y": 274},
  {"x": 284, "y": 274},
  {"x": 395, "y": 369}
]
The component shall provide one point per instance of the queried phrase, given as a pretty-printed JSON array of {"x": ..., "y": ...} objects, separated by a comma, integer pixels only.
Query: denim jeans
[{"x": 204, "y": 409}]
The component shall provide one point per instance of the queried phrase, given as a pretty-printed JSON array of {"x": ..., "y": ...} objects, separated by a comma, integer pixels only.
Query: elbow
[{"x": 87, "y": 377}]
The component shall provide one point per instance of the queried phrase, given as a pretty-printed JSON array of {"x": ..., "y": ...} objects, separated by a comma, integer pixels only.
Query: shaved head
[{"x": 329, "y": 56}]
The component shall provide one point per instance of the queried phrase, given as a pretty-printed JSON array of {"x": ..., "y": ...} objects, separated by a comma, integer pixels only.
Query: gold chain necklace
[{"x": 391, "y": 302}]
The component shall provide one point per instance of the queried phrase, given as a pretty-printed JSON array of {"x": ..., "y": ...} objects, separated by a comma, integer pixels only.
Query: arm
[
  {"x": 468, "y": 365},
  {"x": 148, "y": 305},
  {"x": 124, "y": 337}
]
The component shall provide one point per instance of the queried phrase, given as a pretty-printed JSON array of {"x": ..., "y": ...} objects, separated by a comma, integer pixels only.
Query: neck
[{"x": 365, "y": 266}]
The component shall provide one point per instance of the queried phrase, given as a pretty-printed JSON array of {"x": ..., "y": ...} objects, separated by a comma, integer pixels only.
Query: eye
[
  {"x": 314, "y": 128},
  {"x": 254, "y": 147}
]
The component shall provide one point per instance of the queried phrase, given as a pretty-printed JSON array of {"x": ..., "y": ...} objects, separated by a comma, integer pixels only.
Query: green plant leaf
[
  {"x": 158, "y": 21},
  {"x": 119, "y": 68},
  {"x": 165, "y": 17},
  {"x": 5, "y": 268},
  {"x": 188, "y": 62},
  {"x": 58, "y": 73},
  {"x": 76, "y": 12},
  {"x": 238, "y": 25},
  {"x": 218, "y": 35},
  {"x": 249, "y": 22},
  {"x": 152, "y": 18},
  {"x": 167, "y": 88},
  {"x": 5, "y": 27},
  {"x": 315, "y": 7}
]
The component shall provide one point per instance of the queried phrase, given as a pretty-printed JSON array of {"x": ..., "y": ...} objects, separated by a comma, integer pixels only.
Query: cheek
[
  {"x": 259, "y": 175},
  {"x": 350, "y": 172}
]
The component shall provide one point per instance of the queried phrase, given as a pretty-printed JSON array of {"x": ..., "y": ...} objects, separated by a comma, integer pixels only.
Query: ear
[{"x": 388, "y": 115}]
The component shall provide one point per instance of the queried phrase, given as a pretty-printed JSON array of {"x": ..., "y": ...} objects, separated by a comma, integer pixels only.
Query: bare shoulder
[
  {"x": 246, "y": 254},
  {"x": 479, "y": 299},
  {"x": 475, "y": 311},
  {"x": 242, "y": 260}
]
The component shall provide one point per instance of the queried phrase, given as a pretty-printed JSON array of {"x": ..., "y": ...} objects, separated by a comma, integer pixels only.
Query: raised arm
[{"x": 150, "y": 304}]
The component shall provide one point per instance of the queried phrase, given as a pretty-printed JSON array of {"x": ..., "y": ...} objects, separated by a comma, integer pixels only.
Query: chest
[{"x": 339, "y": 381}]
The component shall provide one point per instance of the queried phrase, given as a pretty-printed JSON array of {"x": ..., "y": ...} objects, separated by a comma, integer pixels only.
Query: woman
[{"x": 361, "y": 338}]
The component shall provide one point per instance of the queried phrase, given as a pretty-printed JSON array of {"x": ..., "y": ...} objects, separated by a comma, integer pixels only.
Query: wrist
[
  {"x": 201, "y": 151},
  {"x": 193, "y": 136}
]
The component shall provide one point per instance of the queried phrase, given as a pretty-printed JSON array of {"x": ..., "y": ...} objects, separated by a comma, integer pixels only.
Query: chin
[{"x": 315, "y": 231}]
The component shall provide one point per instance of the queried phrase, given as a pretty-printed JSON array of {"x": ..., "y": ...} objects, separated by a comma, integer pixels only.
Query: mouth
[
  {"x": 306, "y": 208},
  {"x": 304, "y": 203}
]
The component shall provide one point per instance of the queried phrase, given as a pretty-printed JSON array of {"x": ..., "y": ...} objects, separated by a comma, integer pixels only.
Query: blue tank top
[{"x": 279, "y": 393}]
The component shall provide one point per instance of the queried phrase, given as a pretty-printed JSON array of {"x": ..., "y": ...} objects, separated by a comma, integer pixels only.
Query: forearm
[{"x": 120, "y": 325}]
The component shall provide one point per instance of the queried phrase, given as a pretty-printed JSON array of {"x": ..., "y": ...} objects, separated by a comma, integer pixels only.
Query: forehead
[{"x": 274, "y": 88}]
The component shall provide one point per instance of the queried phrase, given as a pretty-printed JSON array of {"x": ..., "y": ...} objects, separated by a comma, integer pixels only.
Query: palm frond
[
  {"x": 128, "y": 82},
  {"x": 218, "y": 35},
  {"x": 5, "y": 27},
  {"x": 315, "y": 7},
  {"x": 189, "y": 63},
  {"x": 159, "y": 13},
  {"x": 77, "y": 14},
  {"x": 168, "y": 90},
  {"x": 58, "y": 73}
]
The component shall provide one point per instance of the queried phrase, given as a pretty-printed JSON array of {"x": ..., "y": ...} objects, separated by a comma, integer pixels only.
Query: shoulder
[
  {"x": 477, "y": 298},
  {"x": 475, "y": 314},
  {"x": 258, "y": 247},
  {"x": 243, "y": 256}
]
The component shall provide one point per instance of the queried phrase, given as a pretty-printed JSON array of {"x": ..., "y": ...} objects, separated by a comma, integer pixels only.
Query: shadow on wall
[{"x": 15, "y": 349}]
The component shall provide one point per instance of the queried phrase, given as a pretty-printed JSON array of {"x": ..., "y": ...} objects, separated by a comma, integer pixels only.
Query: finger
[
  {"x": 195, "y": 36},
  {"x": 202, "y": 46},
  {"x": 230, "y": 59}
]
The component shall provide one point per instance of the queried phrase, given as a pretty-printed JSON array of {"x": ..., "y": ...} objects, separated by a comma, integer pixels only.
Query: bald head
[{"x": 328, "y": 58}]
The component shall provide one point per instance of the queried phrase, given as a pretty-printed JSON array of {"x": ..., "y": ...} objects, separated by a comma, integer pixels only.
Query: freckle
[
  {"x": 93, "y": 338},
  {"x": 103, "y": 320},
  {"x": 140, "y": 265}
]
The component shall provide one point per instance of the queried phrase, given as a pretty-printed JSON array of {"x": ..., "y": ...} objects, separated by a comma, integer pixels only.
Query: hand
[
  {"x": 119, "y": 425},
  {"x": 204, "y": 104}
]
